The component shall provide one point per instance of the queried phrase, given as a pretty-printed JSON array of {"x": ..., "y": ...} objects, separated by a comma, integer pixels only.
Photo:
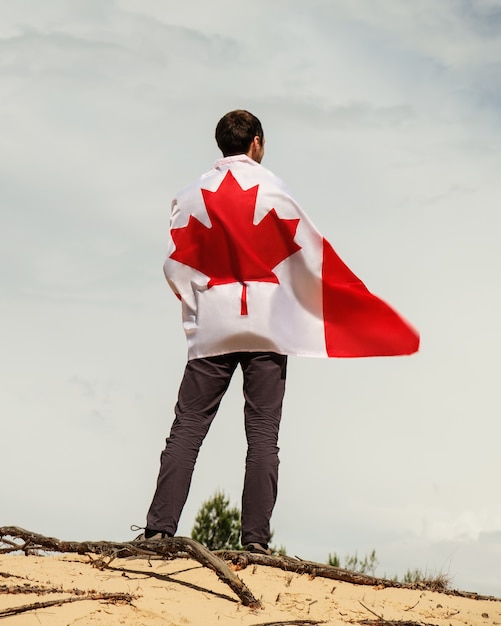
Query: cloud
[
  {"x": 453, "y": 33},
  {"x": 442, "y": 56},
  {"x": 466, "y": 526}
]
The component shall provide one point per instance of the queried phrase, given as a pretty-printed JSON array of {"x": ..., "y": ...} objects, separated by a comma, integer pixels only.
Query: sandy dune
[{"x": 178, "y": 592}]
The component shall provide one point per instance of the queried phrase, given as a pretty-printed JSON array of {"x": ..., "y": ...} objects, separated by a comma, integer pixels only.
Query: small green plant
[
  {"x": 412, "y": 576},
  {"x": 333, "y": 560},
  {"x": 434, "y": 582},
  {"x": 367, "y": 565},
  {"x": 281, "y": 551}
]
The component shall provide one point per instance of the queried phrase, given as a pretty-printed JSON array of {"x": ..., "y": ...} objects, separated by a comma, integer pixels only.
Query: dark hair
[{"x": 236, "y": 130}]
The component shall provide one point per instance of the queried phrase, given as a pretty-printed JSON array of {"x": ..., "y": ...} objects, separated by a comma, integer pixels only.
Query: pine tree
[{"x": 217, "y": 525}]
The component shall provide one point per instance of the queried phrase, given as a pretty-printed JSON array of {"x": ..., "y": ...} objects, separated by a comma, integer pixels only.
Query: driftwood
[
  {"x": 241, "y": 560},
  {"x": 393, "y": 622},
  {"x": 175, "y": 547},
  {"x": 34, "y": 606},
  {"x": 294, "y": 622},
  {"x": 27, "y": 588}
]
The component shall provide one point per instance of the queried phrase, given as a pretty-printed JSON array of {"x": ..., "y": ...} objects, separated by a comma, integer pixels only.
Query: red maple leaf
[{"x": 234, "y": 249}]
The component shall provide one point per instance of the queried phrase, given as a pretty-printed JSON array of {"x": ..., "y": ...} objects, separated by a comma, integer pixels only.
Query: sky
[{"x": 384, "y": 118}]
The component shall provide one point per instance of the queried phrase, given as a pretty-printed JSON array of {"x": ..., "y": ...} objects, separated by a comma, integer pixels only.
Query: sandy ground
[{"x": 180, "y": 592}]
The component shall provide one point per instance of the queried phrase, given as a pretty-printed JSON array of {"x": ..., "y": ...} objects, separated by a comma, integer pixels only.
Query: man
[
  {"x": 257, "y": 282},
  {"x": 204, "y": 383}
]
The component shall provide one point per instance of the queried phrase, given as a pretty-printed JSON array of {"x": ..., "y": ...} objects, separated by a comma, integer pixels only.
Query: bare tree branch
[
  {"x": 241, "y": 560},
  {"x": 289, "y": 564},
  {"x": 179, "y": 547},
  {"x": 294, "y": 622},
  {"x": 109, "y": 597}
]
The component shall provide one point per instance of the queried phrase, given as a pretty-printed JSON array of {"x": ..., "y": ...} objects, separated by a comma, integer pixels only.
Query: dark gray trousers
[{"x": 204, "y": 383}]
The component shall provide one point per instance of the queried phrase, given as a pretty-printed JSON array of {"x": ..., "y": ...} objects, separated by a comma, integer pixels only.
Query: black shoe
[
  {"x": 258, "y": 548},
  {"x": 153, "y": 535}
]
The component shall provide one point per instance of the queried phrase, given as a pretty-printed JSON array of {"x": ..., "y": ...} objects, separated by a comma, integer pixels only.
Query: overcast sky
[{"x": 383, "y": 117}]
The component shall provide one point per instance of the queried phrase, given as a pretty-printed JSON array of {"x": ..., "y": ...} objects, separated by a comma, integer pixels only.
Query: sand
[{"x": 181, "y": 592}]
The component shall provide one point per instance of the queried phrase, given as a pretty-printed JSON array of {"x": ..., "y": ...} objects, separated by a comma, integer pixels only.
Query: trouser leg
[
  {"x": 202, "y": 388},
  {"x": 264, "y": 388}
]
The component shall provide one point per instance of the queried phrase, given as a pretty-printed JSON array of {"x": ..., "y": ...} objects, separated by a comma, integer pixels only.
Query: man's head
[{"x": 240, "y": 132}]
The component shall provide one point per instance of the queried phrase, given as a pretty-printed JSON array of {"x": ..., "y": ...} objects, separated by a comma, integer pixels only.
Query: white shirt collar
[{"x": 232, "y": 159}]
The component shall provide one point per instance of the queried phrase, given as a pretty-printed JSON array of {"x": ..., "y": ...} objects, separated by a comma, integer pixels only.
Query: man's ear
[{"x": 255, "y": 151}]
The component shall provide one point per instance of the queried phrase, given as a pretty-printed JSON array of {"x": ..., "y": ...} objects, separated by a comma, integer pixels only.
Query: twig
[
  {"x": 171, "y": 579},
  {"x": 409, "y": 608},
  {"x": 370, "y": 611},
  {"x": 393, "y": 622},
  {"x": 295, "y": 622},
  {"x": 110, "y": 597},
  {"x": 9, "y": 589},
  {"x": 7, "y": 575}
]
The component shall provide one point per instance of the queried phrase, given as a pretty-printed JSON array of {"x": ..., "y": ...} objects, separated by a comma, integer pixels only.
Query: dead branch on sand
[
  {"x": 241, "y": 560},
  {"x": 174, "y": 547},
  {"x": 393, "y": 622},
  {"x": 34, "y": 606},
  {"x": 295, "y": 622}
]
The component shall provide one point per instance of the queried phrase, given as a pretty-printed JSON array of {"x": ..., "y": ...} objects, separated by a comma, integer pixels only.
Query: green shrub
[{"x": 217, "y": 525}]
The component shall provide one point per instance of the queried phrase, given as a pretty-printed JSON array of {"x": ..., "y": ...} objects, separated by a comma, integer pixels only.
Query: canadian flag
[{"x": 254, "y": 274}]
